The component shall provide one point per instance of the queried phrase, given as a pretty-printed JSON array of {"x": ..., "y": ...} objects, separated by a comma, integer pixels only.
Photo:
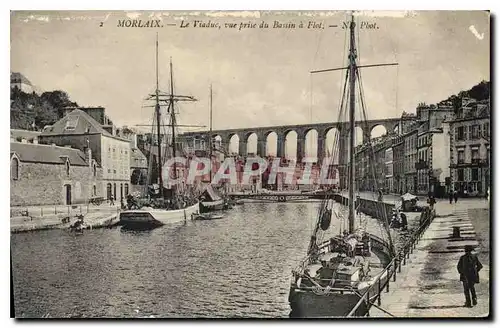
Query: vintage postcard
[{"x": 250, "y": 164}]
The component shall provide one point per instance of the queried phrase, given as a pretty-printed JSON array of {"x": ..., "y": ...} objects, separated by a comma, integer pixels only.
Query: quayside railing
[{"x": 392, "y": 269}]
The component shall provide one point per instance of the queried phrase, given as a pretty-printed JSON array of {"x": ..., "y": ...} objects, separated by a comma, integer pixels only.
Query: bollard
[
  {"x": 395, "y": 267},
  {"x": 456, "y": 232},
  {"x": 41, "y": 211},
  {"x": 388, "y": 280},
  {"x": 55, "y": 209}
]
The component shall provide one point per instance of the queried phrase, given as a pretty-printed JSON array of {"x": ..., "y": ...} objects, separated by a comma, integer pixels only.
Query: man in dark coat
[{"x": 469, "y": 267}]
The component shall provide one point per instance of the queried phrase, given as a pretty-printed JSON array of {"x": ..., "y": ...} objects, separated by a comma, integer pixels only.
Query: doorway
[{"x": 68, "y": 194}]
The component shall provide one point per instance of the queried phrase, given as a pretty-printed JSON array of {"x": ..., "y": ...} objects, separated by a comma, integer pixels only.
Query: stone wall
[{"x": 44, "y": 184}]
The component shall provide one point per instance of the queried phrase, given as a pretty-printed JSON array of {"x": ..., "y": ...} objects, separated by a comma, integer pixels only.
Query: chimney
[
  {"x": 88, "y": 156},
  {"x": 23, "y": 140},
  {"x": 35, "y": 141},
  {"x": 134, "y": 141},
  {"x": 88, "y": 152}
]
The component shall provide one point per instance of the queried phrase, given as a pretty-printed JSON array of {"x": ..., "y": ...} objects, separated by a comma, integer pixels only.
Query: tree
[
  {"x": 58, "y": 100},
  {"x": 31, "y": 111}
]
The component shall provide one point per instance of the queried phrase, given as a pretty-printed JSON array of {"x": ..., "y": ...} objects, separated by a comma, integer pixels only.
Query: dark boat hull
[
  {"x": 308, "y": 304},
  {"x": 206, "y": 207},
  {"x": 305, "y": 303}
]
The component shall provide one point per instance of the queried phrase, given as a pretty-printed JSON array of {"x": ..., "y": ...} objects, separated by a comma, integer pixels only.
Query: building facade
[
  {"x": 410, "y": 158},
  {"x": 470, "y": 148},
  {"x": 389, "y": 170},
  {"x": 398, "y": 149},
  {"x": 112, "y": 153},
  {"x": 19, "y": 81},
  {"x": 52, "y": 175}
]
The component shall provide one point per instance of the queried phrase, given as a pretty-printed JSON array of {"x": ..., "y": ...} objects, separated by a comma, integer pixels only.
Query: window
[
  {"x": 94, "y": 191},
  {"x": 14, "y": 169},
  {"x": 459, "y": 133},
  {"x": 109, "y": 170},
  {"x": 486, "y": 129},
  {"x": 71, "y": 123},
  {"x": 460, "y": 173},
  {"x": 475, "y": 155},
  {"x": 126, "y": 189},
  {"x": 114, "y": 171},
  {"x": 475, "y": 174},
  {"x": 95, "y": 170},
  {"x": 461, "y": 156},
  {"x": 67, "y": 168},
  {"x": 108, "y": 191}
]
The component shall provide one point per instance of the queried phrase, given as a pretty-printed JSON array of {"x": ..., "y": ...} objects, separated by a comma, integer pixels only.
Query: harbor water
[{"x": 239, "y": 266}]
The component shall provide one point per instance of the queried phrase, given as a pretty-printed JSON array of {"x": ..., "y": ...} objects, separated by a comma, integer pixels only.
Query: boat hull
[
  {"x": 217, "y": 205},
  {"x": 156, "y": 217},
  {"x": 308, "y": 304}
]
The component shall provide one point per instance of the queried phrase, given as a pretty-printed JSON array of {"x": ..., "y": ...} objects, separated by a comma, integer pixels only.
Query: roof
[
  {"x": 25, "y": 134},
  {"x": 16, "y": 77},
  {"x": 38, "y": 153},
  {"x": 76, "y": 122}
]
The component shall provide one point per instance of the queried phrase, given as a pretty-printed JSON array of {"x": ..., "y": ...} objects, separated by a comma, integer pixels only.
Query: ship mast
[
  {"x": 172, "y": 118},
  {"x": 158, "y": 123},
  {"x": 352, "y": 104},
  {"x": 210, "y": 135}
]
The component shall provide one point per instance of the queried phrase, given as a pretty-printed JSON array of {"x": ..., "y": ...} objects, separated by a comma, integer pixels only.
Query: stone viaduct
[{"x": 390, "y": 124}]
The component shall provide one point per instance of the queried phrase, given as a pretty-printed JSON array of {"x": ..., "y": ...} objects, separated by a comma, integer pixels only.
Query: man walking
[
  {"x": 455, "y": 195},
  {"x": 468, "y": 267}
]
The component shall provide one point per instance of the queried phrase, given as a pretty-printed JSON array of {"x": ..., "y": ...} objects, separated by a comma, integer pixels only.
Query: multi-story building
[
  {"x": 433, "y": 139},
  {"x": 410, "y": 136},
  {"x": 470, "y": 147},
  {"x": 19, "y": 81},
  {"x": 112, "y": 153},
  {"x": 52, "y": 175},
  {"x": 398, "y": 149},
  {"x": 389, "y": 169}
]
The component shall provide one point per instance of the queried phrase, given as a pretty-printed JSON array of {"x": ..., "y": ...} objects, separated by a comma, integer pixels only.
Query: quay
[
  {"x": 425, "y": 281},
  {"x": 34, "y": 218}
]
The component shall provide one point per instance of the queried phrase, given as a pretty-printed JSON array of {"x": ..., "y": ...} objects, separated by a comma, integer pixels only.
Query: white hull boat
[{"x": 148, "y": 216}]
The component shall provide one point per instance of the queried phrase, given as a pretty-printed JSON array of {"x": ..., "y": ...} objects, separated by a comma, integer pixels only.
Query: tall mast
[
  {"x": 158, "y": 123},
  {"x": 210, "y": 135},
  {"x": 172, "y": 116},
  {"x": 352, "y": 103}
]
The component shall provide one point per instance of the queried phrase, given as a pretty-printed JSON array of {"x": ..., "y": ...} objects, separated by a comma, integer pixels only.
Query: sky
[{"x": 260, "y": 76}]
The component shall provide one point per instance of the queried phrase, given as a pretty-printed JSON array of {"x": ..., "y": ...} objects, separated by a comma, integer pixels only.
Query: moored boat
[
  {"x": 164, "y": 205},
  {"x": 338, "y": 272},
  {"x": 148, "y": 216}
]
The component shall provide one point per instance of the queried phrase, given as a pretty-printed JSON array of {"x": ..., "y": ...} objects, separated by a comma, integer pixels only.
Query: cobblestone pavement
[{"x": 429, "y": 286}]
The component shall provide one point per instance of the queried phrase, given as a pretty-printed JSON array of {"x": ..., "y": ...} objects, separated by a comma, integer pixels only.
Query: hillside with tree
[
  {"x": 480, "y": 91},
  {"x": 30, "y": 111}
]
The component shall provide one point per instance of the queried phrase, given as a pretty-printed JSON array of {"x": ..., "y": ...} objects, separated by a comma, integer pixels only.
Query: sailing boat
[
  {"x": 210, "y": 199},
  {"x": 337, "y": 272},
  {"x": 169, "y": 206}
]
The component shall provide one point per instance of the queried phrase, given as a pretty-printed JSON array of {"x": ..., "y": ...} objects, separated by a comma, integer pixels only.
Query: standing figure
[
  {"x": 111, "y": 200},
  {"x": 450, "y": 196},
  {"x": 468, "y": 267},
  {"x": 455, "y": 195}
]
